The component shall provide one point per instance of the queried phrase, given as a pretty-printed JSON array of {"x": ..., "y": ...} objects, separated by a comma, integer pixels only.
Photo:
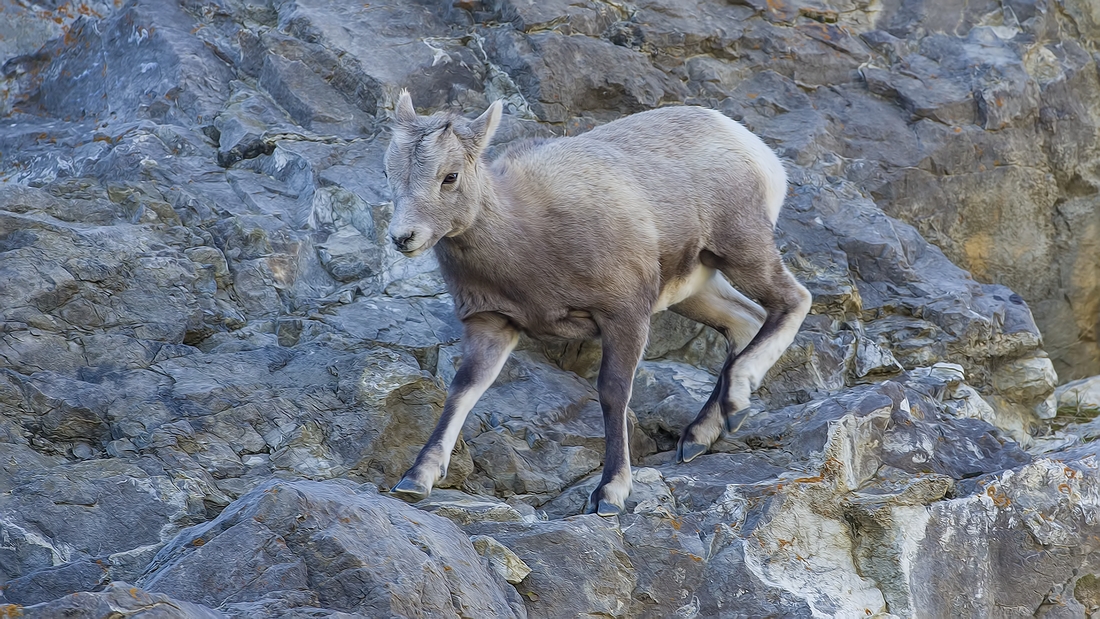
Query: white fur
[{"x": 677, "y": 291}]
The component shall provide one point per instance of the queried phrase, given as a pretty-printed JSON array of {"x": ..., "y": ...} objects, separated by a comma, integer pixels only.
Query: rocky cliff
[{"x": 212, "y": 366}]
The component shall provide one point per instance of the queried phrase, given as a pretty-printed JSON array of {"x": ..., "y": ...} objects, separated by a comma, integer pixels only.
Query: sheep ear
[
  {"x": 405, "y": 112},
  {"x": 481, "y": 129}
]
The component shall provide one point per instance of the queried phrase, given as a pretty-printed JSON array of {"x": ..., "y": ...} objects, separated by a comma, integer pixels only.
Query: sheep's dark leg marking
[
  {"x": 786, "y": 303},
  {"x": 707, "y": 424},
  {"x": 719, "y": 306},
  {"x": 487, "y": 341},
  {"x": 623, "y": 341}
]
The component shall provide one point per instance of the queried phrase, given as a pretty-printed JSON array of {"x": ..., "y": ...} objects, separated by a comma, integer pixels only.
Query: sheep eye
[{"x": 450, "y": 178}]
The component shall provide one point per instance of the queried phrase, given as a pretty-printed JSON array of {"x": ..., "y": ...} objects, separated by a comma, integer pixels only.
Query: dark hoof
[
  {"x": 608, "y": 509},
  {"x": 686, "y": 452},
  {"x": 734, "y": 421},
  {"x": 603, "y": 508},
  {"x": 410, "y": 490}
]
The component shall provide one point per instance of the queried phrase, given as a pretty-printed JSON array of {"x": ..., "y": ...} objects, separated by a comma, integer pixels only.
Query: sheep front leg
[
  {"x": 487, "y": 341},
  {"x": 623, "y": 342}
]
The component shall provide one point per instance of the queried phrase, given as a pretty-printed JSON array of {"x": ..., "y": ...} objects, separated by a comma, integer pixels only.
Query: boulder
[
  {"x": 303, "y": 540},
  {"x": 117, "y": 598},
  {"x": 64, "y": 526},
  {"x": 577, "y": 566}
]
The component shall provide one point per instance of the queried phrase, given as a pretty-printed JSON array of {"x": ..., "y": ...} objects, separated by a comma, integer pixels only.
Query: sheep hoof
[
  {"x": 688, "y": 451},
  {"x": 606, "y": 508},
  {"x": 734, "y": 421},
  {"x": 410, "y": 490},
  {"x": 603, "y": 508}
]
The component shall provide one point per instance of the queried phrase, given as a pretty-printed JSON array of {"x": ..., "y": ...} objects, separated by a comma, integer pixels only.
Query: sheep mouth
[{"x": 413, "y": 252}]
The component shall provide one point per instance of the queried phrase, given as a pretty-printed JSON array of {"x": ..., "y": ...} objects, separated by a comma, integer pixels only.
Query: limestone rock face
[
  {"x": 117, "y": 599},
  {"x": 213, "y": 365},
  {"x": 340, "y": 547}
]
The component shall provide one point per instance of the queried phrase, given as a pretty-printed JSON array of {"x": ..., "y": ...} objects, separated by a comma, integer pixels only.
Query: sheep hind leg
[
  {"x": 786, "y": 303},
  {"x": 719, "y": 306}
]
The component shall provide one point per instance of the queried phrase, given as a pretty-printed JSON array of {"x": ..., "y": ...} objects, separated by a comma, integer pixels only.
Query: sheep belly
[{"x": 567, "y": 324}]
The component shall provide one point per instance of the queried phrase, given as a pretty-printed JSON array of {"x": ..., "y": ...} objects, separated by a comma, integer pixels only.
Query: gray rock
[
  {"x": 27, "y": 28},
  {"x": 925, "y": 94},
  {"x": 588, "y": 18},
  {"x": 1049, "y": 501},
  {"x": 396, "y": 44},
  {"x": 666, "y": 396},
  {"x": 313, "y": 424},
  {"x": 914, "y": 440},
  {"x": 17, "y": 460},
  {"x": 247, "y": 126},
  {"x": 416, "y": 325},
  {"x": 1079, "y": 395},
  {"x": 103, "y": 289},
  {"x": 502, "y": 560},
  {"x": 699, "y": 483},
  {"x": 309, "y": 538},
  {"x": 669, "y": 554},
  {"x": 308, "y": 98},
  {"x": 57, "y": 408},
  {"x": 602, "y": 79},
  {"x": 464, "y": 509},
  {"x": 85, "y": 510},
  {"x": 650, "y": 495},
  {"x": 51, "y": 583},
  {"x": 141, "y": 60},
  {"x": 578, "y": 565},
  {"x": 119, "y": 597},
  {"x": 685, "y": 28},
  {"x": 733, "y": 584}
]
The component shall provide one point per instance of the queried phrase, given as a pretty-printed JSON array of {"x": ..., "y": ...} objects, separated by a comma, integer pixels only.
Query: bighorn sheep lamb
[{"x": 587, "y": 236}]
